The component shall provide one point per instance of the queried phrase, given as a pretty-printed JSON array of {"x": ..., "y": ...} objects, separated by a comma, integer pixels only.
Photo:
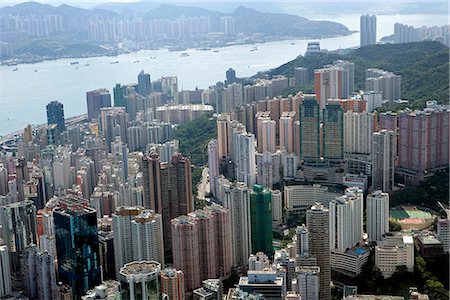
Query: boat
[
  {"x": 87, "y": 65},
  {"x": 35, "y": 70},
  {"x": 135, "y": 62},
  {"x": 179, "y": 48},
  {"x": 254, "y": 48},
  {"x": 292, "y": 43},
  {"x": 114, "y": 62},
  {"x": 184, "y": 54},
  {"x": 15, "y": 69},
  {"x": 74, "y": 63},
  {"x": 216, "y": 51},
  {"x": 203, "y": 49}
]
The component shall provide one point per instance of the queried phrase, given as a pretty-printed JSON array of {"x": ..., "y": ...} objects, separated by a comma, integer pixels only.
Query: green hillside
[{"x": 424, "y": 67}]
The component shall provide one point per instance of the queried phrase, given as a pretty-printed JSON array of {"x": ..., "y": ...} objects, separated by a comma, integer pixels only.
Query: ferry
[
  {"x": 114, "y": 62},
  {"x": 216, "y": 51},
  {"x": 74, "y": 63}
]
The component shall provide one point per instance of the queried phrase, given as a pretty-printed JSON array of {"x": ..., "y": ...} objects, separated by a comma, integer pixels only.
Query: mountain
[
  {"x": 423, "y": 65},
  {"x": 170, "y": 11},
  {"x": 251, "y": 21}
]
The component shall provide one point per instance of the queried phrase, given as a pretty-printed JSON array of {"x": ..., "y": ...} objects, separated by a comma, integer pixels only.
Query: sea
[{"x": 25, "y": 92}]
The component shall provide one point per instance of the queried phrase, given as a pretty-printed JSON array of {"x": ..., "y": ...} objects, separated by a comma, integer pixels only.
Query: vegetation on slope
[
  {"x": 194, "y": 137},
  {"x": 423, "y": 65}
]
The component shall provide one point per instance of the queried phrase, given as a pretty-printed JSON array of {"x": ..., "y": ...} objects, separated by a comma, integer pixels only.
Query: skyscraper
[
  {"x": 318, "y": 223},
  {"x": 244, "y": 157},
  {"x": 172, "y": 283},
  {"x": 348, "y": 77},
  {"x": 266, "y": 135},
  {"x": 151, "y": 175},
  {"x": 287, "y": 131},
  {"x": 144, "y": 83},
  {"x": 95, "y": 100},
  {"x": 223, "y": 135},
  {"x": 5, "y": 272},
  {"x": 377, "y": 215},
  {"x": 77, "y": 244},
  {"x": 113, "y": 123},
  {"x": 118, "y": 94},
  {"x": 231, "y": 74},
  {"x": 328, "y": 84},
  {"x": 309, "y": 129},
  {"x": 368, "y": 30},
  {"x": 308, "y": 280},
  {"x": 55, "y": 115},
  {"x": 333, "y": 132},
  {"x": 301, "y": 76},
  {"x": 383, "y": 157},
  {"x": 261, "y": 218},
  {"x": 147, "y": 237},
  {"x": 140, "y": 280},
  {"x": 19, "y": 231}
]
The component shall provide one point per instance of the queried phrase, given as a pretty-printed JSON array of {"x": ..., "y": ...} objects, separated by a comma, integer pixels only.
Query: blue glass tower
[
  {"x": 55, "y": 115},
  {"x": 77, "y": 244}
]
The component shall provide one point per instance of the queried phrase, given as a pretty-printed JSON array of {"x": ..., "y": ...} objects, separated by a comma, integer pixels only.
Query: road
[{"x": 203, "y": 185}]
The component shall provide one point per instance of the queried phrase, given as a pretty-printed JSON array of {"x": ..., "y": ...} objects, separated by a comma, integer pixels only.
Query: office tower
[
  {"x": 383, "y": 157},
  {"x": 5, "y": 272},
  {"x": 63, "y": 291},
  {"x": 261, "y": 218},
  {"x": 213, "y": 165},
  {"x": 28, "y": 134},
  {"x": 346, "y": 220},
  {"x": 308, "y": 281},
  {"x": 113, "y": 123},
  {"x": 39, "y": 274},
  {"x": 202, "y": 245},
  {"x": 348, "y": 77},
  {"x": 55, "y": 115},
  {"x": 122, "y": 229},
  {"x": 19, "y": 231},
  {"x": 147, "y": 237},
  {"x": 287, "y": 131},
  {"x": 377, "y": 215},
  {"x": 265, "y": 283},
  {"x": 266, "y": 135},
  {"x": 172, "y": 283},
  {"x": 230, "y": 75},
  {"x": 176, "y": 195},
  {"x": 118, "y": 95},
  {"x": 309, "y": 130},
  {"x": 368, "y": 30},
  {"x": 332, "y": 132},
  {"x": 328, "y": 84},
  {"x": 235, "y": 198},
  {"x": 301, "y": 76},
  {"x": 223, "y": 135},
  {"x": 107, "y": 256},
  {"x": 423, "y": 143},
  {"x": 140, "y": 280},
  {"x": 374, "y": 100},
  {"x": 317, "y": 221},
  {"x": 387, "y": 83},
  {"x": 151, "y": 175},
  {"x": 95, "y": 100},
  {"x": 77, "y": 244},
  {"x": 244, "y": 157},
  {"x": 144, "y": 83}
]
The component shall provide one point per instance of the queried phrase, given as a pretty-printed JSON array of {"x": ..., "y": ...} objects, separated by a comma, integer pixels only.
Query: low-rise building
[
  {"x": 394, "y": 250},
  {"x": 349, "y": 262}
]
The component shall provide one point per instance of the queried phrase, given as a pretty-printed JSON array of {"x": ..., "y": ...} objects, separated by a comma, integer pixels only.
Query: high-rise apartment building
[
  {"x": 328, "y": 84},
  {"x": 318, "y": 224},
  {"x": 377, "y": 215},
  {"x": 172, "y": 283},
  {"x": 348, "y": 77},
  {"x": 77, "y": 244},
  {"x": 308, "y": 281},
  {"x": 266, "y": 135},
  {"x": 151, "y": 177},
  {"x": 244, "y": 157},
  {"x": 358, "y": 130},
  {"x": 18, "y": 232},
  {"x": 95, "y": 100},
  {"x": 261, "y": 218},
  {"x": 223, "y": 135},
  {"x": 202, "y": 245},
  {"x": 387, "y": 83},
  {"x": 383, "y": 158},
  {"x": 114, "y": 123},
  {"x": 55, "y": 115},
  {"x": 423, "y": 143},
  {"x": 287, "y": 131},
  {"x": 301, "y": 76},
  {"x": 39, "y": 274},
  {"x": 368, "y": 30},
  {"x": 213, "y": 164}
]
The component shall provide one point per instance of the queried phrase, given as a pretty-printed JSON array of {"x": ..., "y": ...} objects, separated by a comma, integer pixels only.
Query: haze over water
[{"x": 25, "y": 93}]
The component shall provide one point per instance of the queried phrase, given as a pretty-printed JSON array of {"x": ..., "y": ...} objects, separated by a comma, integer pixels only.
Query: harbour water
[{"x": 25, "y": 92}]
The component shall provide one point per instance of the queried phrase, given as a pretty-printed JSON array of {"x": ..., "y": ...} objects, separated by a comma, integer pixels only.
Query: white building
[
  {"x": 394, "y": 251},
  {"x": 358, "y": 129},
  {"x": 308, "y": 282},
  {"x": 299, "y": 198},
  {"x": 244, "y": 158},
  {"x": 5, "y": 276},
  {"x": 377, "y": 215},
  {"x": 277, "y": 207}
]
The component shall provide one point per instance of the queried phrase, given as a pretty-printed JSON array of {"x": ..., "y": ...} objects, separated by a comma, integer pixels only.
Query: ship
[{"x": 74, "y": 63}]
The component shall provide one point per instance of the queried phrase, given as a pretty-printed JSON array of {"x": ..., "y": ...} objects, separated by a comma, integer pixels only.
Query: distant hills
[
  {"x": 247, "y": 21},
  {"x": 423, "y": 65}
]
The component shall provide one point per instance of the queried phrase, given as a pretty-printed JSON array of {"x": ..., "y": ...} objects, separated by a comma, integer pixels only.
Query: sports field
[{"x": 411, "y": 217}]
